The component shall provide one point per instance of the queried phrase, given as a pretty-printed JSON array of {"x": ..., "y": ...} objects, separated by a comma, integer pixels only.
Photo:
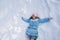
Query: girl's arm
[
  {"x": 44, "y": 20},
  {"x": 26, "y": 20}
]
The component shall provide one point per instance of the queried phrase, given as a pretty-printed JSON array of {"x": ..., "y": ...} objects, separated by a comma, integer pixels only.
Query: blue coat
[{"x": 32, "y": 29}]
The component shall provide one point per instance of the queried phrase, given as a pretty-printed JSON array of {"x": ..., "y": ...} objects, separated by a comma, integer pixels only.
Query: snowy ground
[{"x": 13, "y": 28}]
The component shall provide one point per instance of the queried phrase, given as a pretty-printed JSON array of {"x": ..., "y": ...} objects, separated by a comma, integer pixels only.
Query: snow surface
[{"x": 13, "y": 28}]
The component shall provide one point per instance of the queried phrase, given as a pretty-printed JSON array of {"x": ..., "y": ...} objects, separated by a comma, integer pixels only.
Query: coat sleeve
[
  {"x": 44, "y": 20},
  {"x": 26, "y": 20}
]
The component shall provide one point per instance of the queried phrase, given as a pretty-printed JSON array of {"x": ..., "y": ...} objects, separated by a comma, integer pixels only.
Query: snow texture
[{"x": 13, "y": 28}]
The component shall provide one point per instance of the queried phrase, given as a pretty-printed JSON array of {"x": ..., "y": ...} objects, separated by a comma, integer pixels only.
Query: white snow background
[{"x": 12, "y": 27}]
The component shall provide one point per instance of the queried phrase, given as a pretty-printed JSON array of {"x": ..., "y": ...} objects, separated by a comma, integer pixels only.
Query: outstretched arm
[
  {"x": 44, "y": 20},
  {"x": 26, "y": 20}
]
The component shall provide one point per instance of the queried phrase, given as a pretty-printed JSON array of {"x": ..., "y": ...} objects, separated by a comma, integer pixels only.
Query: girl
[{"x": 32, "y": 30}]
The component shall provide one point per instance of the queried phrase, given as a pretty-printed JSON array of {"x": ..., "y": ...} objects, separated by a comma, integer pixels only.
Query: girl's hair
[{"x": 35, "y": 18}]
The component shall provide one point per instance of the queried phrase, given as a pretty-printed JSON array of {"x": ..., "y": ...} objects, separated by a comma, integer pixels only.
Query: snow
[{"x": 13, "y": 28}]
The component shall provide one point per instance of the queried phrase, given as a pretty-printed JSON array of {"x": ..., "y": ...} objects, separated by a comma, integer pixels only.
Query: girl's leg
[
  {"x": 31, "y": 38},
  {"x": 34, "y": 38},
  {"x": 28, "y": 37}
]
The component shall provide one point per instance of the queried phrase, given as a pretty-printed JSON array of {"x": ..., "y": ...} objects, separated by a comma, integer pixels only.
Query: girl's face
[{"x": 34, "y": 16}]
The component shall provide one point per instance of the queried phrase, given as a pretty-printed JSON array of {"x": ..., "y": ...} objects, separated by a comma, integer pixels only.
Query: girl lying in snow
[{"x": 32, "y": 30}]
